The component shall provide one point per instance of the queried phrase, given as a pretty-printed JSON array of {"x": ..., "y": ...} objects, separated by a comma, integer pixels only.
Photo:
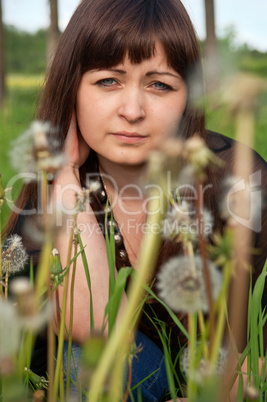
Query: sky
[{"x": 247, "y": 16}]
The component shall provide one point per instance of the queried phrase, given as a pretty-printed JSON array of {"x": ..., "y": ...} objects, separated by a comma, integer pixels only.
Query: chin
[{"x": 135, "y": 162}]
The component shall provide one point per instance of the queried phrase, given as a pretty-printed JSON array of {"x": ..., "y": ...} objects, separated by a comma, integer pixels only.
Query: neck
[{"x": 124, "y": 178}]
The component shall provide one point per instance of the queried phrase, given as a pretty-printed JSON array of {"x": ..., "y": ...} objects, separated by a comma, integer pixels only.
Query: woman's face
[{"x": 126, "y": 111}]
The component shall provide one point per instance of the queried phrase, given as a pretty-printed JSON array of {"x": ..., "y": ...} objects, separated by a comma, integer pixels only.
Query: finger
[
  {"x": 84, "y": 148},
  {"x": 72, "y": 131}
]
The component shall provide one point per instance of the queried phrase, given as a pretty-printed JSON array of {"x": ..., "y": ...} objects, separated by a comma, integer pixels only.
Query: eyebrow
[{"x": 148, "y": 74}]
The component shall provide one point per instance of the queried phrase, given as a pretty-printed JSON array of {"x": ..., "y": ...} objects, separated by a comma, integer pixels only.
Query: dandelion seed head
[
  {"x": 94, "y": 186},
  {"x": 241, "y": 91},
  {"x": 156, "y": 162},
  {"x": 14, "y": 256},
  {"x": 52, "y": 163},
  {"x": 39, "y": 320},
  {"x": 181, "y": 223},
  {"x": 55, "y": 252},
  {"x": 83, "y": 197},
  {"x": 28, "y": 313},
  {"x": 178, "y": 215},
  {"x": 24, "y": 295},
  {"x": 252, "y": 393},
  {"x": 21, "y": 286},
  {"x": 205, "y": 368},
  {"x": 186, "y": 178},
  {"x": 40, "y": 141},
  {"x": 55, "y": 266},
  {"x": 172, "y": 147},
  {"x": 197, "y": 153},
  {"x": 182, "y": 285},
  {"x": 35, "y": 151},
  {"x": 9, "y": 330}
]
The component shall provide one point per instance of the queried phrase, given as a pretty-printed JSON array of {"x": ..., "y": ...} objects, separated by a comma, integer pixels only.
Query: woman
[{"x": 120, "y": 84}]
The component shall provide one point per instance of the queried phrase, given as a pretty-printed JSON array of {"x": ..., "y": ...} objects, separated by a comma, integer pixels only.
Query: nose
[{"x": 132, "y": 105}]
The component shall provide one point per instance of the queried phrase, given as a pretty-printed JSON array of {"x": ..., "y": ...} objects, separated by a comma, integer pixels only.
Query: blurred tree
[
  {"x": 53, "y": 32},
  {"x": 25, "y": 52},
  {"x": 2, "y": 59},
  {"x": 211, "y": 54}
]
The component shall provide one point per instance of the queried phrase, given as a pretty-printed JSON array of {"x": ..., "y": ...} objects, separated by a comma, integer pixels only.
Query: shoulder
[
  {"x": 224, "y": 147},
  {"x": 218, "y": 142}
]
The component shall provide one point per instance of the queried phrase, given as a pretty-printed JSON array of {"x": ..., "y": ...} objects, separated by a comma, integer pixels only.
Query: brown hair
[{"x": 99, "y": 35}]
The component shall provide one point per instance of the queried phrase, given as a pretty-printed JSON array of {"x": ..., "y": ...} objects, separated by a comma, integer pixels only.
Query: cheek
[{"x": 168, "y": 123}]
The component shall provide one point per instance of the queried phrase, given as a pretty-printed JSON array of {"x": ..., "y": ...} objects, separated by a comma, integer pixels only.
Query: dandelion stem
[
  {"x": 203, "y": 331},
  {"x": 59, "y": 363},
  {"x": 238, "y": 299},
  {"x": 71, "y": 321},
  {"x": 129, "y": 382},
  {"x": 191, "y": 385},
  {"x": 203, "y": 252},
  {"x": 242, "y": 235},
  {"x": 116, "y": 382},
  {"x": 1, "y": 288},
  {"x": 6, "y": 285},
  {"x": 25, "y": 352},
  {"x": 44, "y": 199},
  {"x": 227, "y": 274},
  {"x": 50, "y": 354}
]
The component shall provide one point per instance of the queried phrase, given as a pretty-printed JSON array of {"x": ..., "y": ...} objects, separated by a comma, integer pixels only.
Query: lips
[{"x": 129, "y": 137}]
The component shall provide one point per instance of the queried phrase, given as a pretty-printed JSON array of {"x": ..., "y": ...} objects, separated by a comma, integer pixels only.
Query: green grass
[
  {"x": 15, "y": 117},
  {"x": 220, "y": 121},
  {"x": 20, "y": 105}
]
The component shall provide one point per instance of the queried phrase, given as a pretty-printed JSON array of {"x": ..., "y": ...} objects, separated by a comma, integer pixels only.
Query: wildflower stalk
[
  {"x": 203, "y": 331},
  {"x": 59, "y": 364},
  {"x": 43, "y": 276},
  {"x": 2, "y": 198},
  {"x": 243, "y": 108},
  {"x": 1, "y": 288},
  {"x": 220, "y": 327},
  {"x": 203, "y": 251},
  {"x": 116, "y": 386},
  {"x": 192, "y": 329},
  {"x": 244, "y": 131},
  {"x": 50, "y": 353},
  {"x": 146, "y": 263},
  {"x": 6, "y": 283},
  {"x": 25, "y": 352},
  {"x": 129, "y": 382},
  {"x": 71, "y": 320}
]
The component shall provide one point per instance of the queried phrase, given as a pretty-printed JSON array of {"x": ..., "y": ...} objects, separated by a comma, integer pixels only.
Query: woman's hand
[
  {"x": 66, "y": 187},
  {"x": 76, "y": 149},
  {"x": 67, "y": 183}
]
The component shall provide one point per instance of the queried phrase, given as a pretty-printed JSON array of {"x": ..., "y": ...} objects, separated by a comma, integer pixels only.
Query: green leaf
[
  {"x": 113, "y": 304},
  {"x": 171, "y": 313},
  {"x": 87, "y": 274}
]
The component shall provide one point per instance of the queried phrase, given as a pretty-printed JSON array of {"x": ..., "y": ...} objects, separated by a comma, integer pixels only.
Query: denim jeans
[{"x": 150, "y": 363}]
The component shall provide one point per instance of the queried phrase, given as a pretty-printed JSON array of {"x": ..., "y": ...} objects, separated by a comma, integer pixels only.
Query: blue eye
[
  {"x": 161, "y": 86},
  {"x": 106, "y": 82}
]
